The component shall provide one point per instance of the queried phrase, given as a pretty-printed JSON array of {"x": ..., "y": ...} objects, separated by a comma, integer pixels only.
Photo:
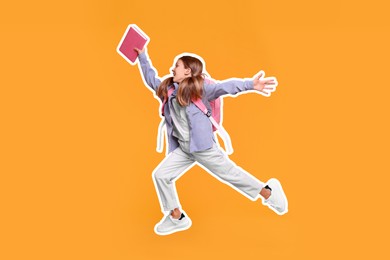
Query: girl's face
[{"x": 180, "y": 72}]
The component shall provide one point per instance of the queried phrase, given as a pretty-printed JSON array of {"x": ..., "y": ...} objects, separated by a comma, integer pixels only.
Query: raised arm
[
  {"x": 234, "y": 86},
  {"x": 149, "y": 73}
]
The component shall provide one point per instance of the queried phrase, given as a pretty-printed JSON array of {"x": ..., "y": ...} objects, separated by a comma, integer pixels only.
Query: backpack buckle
[{"x": 208, "y": 114}]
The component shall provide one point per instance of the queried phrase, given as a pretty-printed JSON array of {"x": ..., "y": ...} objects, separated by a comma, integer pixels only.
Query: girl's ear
[{"x": 187, "y": 71}]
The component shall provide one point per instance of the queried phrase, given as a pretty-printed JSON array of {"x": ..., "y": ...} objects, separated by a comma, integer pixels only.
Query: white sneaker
[
  {"x": 169, "y": 225},
  {"x": 277, "y": 201}
]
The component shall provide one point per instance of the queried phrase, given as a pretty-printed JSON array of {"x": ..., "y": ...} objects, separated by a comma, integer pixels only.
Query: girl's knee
[{"x": 158, "y": 175}]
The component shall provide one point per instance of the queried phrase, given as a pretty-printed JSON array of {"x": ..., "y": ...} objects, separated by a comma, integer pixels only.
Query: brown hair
[{"x": 190, "y": 88}]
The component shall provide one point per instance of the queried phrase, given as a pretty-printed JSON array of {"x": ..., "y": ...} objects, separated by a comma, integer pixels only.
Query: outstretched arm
[
  {"x": 149, "y": 73},
  {"x": 234, "y": 86}
]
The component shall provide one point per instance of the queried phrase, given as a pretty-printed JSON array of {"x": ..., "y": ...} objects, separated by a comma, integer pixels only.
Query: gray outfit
[
  {"x": 201, "y": 134},
  {"x": 214, "y": 160},
  {"x": 191, "y": 141}
]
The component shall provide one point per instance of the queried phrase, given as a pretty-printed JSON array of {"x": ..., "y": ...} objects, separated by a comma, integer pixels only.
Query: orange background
[{"x": 79, "y": 130}]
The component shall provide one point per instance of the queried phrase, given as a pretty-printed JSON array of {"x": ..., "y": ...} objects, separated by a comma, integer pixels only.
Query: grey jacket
[{"x": 201, "y": 132}]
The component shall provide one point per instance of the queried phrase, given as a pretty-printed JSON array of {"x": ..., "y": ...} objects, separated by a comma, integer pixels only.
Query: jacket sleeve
[
  {"x": 149, "y": 73},
  {"x": 227, "y": 87}
]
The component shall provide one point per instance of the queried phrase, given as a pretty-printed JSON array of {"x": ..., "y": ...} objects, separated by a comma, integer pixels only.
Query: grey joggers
[{"x": 214, "y": 161}]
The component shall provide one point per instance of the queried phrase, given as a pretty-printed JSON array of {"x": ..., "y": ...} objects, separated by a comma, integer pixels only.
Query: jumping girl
[{"x": 191, "y": 139}]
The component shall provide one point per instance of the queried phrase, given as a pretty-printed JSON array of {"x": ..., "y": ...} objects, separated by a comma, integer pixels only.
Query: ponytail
[
  {"x": 162, "y": 91},
  {"x": 190, "y": 88}
]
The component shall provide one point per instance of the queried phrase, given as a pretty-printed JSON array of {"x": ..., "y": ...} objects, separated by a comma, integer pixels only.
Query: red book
[{"x": 133, "y": 37}]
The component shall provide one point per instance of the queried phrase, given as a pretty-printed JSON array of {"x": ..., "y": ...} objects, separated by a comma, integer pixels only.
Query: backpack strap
[
  {"x": 199, "y": 103},
  {"x": 222, "y": 132}
]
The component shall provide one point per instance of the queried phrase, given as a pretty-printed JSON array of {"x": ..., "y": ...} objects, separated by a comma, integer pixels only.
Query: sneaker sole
[{"x": 173, "y": 230}]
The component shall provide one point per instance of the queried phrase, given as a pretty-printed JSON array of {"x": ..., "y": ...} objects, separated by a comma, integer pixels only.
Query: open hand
[{"x": 264, "y": 85}]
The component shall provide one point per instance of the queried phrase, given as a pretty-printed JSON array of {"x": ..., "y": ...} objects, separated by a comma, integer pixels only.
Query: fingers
[
  {"x": 138, "y": 50},
  {"x": 265, "y": 86},
  {"x": 259, "y": 75},
  {"x": 269, "y": 86},
  {"x": 268, "y": 90},
  {"x": 267, "y": 81},
  {"x": 270, "y": 80},
  {"x": 265, "y": 93}
]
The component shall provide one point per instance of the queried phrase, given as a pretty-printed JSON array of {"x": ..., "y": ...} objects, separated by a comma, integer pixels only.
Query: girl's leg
[
  {"x": 165, "y": 175},
  {"x": 220, "y": 165}
]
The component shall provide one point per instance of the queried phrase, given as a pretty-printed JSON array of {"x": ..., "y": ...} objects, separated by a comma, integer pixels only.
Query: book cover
[{"x": 133, "y": 37}]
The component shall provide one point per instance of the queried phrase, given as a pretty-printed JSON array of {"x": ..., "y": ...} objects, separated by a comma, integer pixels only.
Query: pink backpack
[
  {"x": 214, "y": 104},
  {"x": 214, "y": 115}
]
